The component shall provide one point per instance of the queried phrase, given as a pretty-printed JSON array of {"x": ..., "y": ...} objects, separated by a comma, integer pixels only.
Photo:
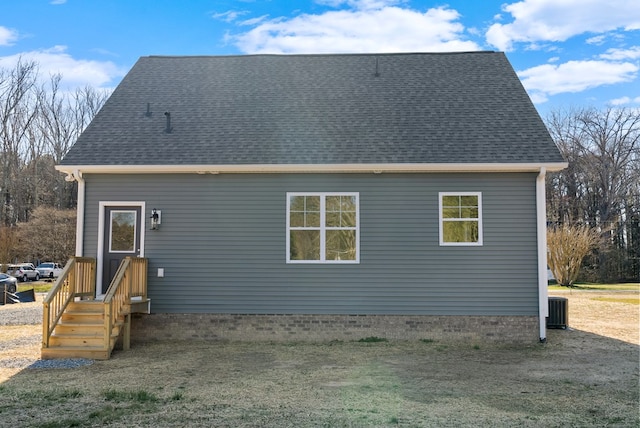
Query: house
[{"x": 322, "y": 196}]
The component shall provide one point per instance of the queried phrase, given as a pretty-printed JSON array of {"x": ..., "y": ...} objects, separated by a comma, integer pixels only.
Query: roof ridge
[{"x": 324, "y": 54}]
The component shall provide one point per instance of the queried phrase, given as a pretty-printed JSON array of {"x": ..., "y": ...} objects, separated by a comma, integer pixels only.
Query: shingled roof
[{"x": 421, "y": 108}]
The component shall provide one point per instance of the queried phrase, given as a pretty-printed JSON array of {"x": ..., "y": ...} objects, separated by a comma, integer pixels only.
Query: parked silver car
[
  {"x": 24, "y": 272},
  {"x": 49, "y": 270},
  {"x": 9, "y": 282}
]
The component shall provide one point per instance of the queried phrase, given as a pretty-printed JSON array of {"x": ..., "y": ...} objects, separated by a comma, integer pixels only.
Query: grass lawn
[
  {"x": 630, "y": 286},
  {"x": 39, "y": 286},
  {"x": 584, "y": 376}
]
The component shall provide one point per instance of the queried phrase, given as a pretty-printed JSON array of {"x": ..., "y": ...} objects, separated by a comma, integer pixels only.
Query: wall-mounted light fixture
[{"x": 156, "y": 219}]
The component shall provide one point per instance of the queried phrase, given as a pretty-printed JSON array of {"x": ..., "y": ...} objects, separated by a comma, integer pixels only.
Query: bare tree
[
  {"x": 48, "y": 236},
  {"x": 600, "y": 186},
  {"x": 8, "y": 245},
  {"x": 60, "y": 123},
  {"x": 18, "y": 108},
  {"x": 38, "y": 125},
  {"x": 568, "y": 245}
]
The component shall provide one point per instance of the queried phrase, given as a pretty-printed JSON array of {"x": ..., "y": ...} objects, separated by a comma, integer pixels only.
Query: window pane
[
  {"x": 296, "y": 219},
  {"x": 305, "y": 245},
  {"x": 341, "y": 245},
  {"x": 297, "y": 203},
  {"x": 460, "y": 231},
  {"x": 450, "y": 201},
  {"x": 451, "y": 212},
  {"x": 123, "y": 231},
  {"x": 469, "y": 201},
  {"x": 348, "y": 219},
  {"x": 340, "y": 211},
  {"x": 304, "y": 211},
  {"x": 312, "y": 219},
  {"x": 469, "y": 212},
  {"x": 312, "y": 203},
  {"x": 333, "y": 203},
  {"x": 333, "y": 219}
]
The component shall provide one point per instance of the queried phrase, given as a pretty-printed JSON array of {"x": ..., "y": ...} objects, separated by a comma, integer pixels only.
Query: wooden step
[
  {"x": 93, "y": 353},
  {"x": 75, "y": 340},
  {"x": 86, "y": 306},
  {"x": 84, "y": 312},
  {"x": 82, "y": 318},
  {"x": 84, "y": 329},
  {"x": 79, "y": 328},
  {"x": 80, "y": 333}
]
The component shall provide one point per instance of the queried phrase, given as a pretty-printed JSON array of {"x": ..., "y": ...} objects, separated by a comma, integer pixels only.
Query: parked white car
[
  {"x": 24, "y": 272},
  {"x": 49, "y": 270}
]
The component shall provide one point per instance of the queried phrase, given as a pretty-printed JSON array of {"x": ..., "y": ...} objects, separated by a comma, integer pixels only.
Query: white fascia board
[{"x": 311, "y": 168}]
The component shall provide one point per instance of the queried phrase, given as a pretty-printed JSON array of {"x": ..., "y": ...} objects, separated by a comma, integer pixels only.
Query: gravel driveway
[
  {"x": 27, "y": 314},
  {"x": 22, "y": 314}
]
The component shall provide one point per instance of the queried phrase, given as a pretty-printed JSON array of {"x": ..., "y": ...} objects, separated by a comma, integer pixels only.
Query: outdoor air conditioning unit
[{"x": 558, "y": 313}]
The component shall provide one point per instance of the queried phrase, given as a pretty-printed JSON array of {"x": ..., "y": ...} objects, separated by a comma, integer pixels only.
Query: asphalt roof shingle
[{"x": 318, "y": 109}]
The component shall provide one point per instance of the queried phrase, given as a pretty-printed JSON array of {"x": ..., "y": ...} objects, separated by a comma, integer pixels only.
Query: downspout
[
  {"x": 80, "y": 214},
  {"x": 541, "y": 216}
]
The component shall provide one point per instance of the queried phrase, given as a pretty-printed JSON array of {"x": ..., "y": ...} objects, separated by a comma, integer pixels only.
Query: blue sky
[{"x": 568, "y": 53}]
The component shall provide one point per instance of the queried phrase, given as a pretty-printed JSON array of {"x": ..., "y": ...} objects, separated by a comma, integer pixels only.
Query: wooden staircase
[
  {"x": 77, "y": 326},
  {"x": 80, "y": 333}
]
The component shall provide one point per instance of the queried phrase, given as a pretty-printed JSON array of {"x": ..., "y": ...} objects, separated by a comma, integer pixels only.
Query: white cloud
[
  {"x": 254, "y": 21},
  {"x": 58, "y": 1},
  {"x": 7, "y": 36},
  {"x": 228, "y": 16},
  {"x": 368, "y": 26},
  {"x": 359, "y": 4},
  {"x": 75, "y": 73},
  {"x": 597, "y": 40},
  {"x": 622, "y": 54},
  {"x": 558, "y": 20},
  {"x": 625, "y": 101},
  {"x": 574, "y": 76}
]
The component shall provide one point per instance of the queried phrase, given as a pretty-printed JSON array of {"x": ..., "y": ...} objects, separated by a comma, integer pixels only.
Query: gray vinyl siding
[{"x": 222, "y": 245}]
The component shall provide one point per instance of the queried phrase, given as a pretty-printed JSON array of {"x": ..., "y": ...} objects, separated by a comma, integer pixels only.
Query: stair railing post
[
  {"x": 108, "y": 325},
  {"x": 45, "y": 325},
  {"x": 126, "y": 336},
  {"x": 72, "y": 280}
]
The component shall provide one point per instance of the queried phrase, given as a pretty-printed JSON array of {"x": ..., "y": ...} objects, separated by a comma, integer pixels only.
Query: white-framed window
[
  {"x": 460, "y": 218},
  {"x": 122, "y": 238},
  {"x": 323, "y": 227}
]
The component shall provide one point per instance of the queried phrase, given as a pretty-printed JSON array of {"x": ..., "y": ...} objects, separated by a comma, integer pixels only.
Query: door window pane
[{"x": 123, "y": 232}]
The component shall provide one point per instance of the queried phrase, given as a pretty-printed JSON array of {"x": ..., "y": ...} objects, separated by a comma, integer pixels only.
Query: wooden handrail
[
  {"x": 130, "y": 281},
  {"x": 77, "y": 279}
]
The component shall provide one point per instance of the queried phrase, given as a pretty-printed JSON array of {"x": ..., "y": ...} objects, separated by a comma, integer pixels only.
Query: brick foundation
[{"x": 323, "y": 328}]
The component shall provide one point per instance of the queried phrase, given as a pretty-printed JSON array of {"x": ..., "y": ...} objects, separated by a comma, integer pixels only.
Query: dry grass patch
[{"x": 579, "y": 378}]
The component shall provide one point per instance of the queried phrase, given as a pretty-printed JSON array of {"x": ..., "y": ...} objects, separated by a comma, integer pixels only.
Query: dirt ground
[{"x": 586, "y": 376}]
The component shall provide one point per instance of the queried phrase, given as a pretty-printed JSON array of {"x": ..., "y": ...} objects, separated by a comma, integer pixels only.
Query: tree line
[
  {"x": 600, "y": 189},
  {"x": 39, "y": 122}
]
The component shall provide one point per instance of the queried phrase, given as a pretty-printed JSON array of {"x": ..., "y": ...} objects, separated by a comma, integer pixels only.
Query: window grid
[
  {"x": 466, "y": 213},
  {"x": 323, "y": 227}
]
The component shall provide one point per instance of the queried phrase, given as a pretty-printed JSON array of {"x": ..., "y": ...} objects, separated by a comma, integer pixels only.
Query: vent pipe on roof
[
  {"x": 377, "y": 73},
  {"x": 168, "y": 129},
  {"x": 148, "y": 112}
]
